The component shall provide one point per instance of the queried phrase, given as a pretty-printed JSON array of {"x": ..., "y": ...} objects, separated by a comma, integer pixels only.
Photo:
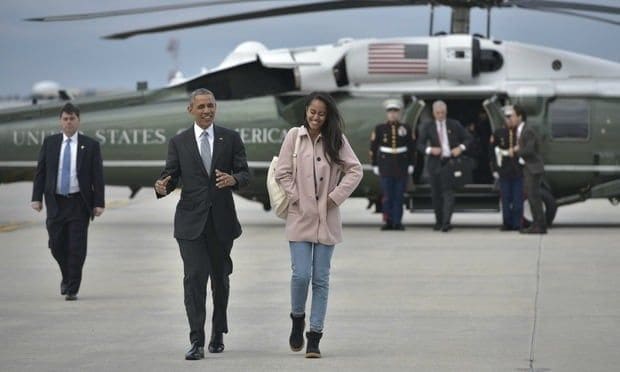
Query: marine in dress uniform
[
  {"x": 392, "y": 154},
  {"x": 509, "y": 170}
]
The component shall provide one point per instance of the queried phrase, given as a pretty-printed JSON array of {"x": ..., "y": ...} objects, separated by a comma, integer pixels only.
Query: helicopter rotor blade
[
  {"x": 576, "y": 14},
  {"x": 133, "y": 11},
  {"x": 550, "y": 6},
  {"x": 271, "y": 12},
  {"x": 562, "y": 5}
]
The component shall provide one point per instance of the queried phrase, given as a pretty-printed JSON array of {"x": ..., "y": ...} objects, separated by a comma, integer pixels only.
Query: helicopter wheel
[
  {"x": 266, "y": 205},
  {"x": 550, "y": 208}
]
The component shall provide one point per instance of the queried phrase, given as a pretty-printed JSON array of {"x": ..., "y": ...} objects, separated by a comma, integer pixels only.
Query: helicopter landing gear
[{"x": 134, "y": 190}]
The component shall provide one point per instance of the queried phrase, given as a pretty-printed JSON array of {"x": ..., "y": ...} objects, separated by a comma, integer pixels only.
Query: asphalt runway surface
[{"x": 473, "y": 299}]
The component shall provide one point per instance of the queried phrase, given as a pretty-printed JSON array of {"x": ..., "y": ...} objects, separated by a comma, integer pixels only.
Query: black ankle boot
[
  {"x": 312, "y": 351},
  {"x": 296, "y": 340}
]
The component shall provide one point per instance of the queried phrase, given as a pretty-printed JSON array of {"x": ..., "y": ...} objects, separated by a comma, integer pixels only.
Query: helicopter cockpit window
[
  {"x": 570, "y": 119},
  {"x": 490, "y": 60}
]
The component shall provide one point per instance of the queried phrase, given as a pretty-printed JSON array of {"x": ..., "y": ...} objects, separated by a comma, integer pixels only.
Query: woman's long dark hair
[{"x": 332, "y": 128}]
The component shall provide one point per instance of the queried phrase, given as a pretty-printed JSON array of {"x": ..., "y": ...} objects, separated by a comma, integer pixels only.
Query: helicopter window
[
  {"x": 570, "y": 119},
  {"x": 490, "y": 60}
]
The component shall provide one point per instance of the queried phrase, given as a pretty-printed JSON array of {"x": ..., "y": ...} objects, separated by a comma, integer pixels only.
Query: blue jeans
[
  {"x": 512, "y": 201},
  {"x": 393, "y": 190},
  {"x": 310, "y": 261}
]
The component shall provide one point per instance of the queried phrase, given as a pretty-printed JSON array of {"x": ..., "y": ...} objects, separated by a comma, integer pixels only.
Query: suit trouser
[
  {"x": 206, "y": 257},
  {"x": 68, "y": 234},
  {"x": 534, "y": 197},
  {"x": 442, "y": 195}
]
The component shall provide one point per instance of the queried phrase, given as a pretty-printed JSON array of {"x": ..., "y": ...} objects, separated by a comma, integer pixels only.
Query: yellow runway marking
[{"x": 12, "y": 226}]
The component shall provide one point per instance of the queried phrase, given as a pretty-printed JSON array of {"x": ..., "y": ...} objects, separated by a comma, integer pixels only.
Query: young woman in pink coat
[{"x": 326, "y": 174}]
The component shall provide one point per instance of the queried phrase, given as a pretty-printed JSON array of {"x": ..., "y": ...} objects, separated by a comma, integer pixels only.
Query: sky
[{"x": 75, "y": 55}]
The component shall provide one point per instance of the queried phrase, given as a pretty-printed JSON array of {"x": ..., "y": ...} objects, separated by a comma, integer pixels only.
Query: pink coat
[{"x": 308, "y": 218}]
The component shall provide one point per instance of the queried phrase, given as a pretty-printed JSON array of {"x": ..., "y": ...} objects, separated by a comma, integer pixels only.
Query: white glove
[
  {"x": 410, "y": 169},
  {"x": 375, "y": 170}
]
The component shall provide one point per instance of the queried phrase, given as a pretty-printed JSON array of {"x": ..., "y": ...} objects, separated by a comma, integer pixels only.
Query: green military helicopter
[{"x": 573, "y": 100}]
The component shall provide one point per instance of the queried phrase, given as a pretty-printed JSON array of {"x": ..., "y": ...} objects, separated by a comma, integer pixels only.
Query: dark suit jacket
[
  {"x": 530, "y": 150},
  {"x": 457, "y": 135},
  {"x": 89, "y": 173},
  {"x": 199, "y": 194}
]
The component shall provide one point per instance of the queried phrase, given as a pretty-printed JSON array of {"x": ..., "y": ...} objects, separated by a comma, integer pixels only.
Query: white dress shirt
[
  {"x": 442, "y": 132},
  {"x": 210, "y": 134},
  {"x": 519, "y": 130},
  {"x": 74, "y": 186},
  {"x": 445, "y": 143}
]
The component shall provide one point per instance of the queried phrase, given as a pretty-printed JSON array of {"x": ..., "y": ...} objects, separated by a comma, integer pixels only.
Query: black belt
[
  {"x": 445, "y": 161},
  {"x": 73, "y": 195}
]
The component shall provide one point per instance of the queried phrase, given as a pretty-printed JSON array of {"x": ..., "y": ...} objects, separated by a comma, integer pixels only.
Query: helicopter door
[
  {"x": 411, "y": 116},
  {"x": 495, "y": 112},
  {"x": 413, "y": 111}
]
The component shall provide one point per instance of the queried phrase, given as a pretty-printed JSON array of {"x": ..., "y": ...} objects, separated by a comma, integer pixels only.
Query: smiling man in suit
[
  {"x": 442, "y": 140},
  {"x": 70, "y": 175},
  {"x": 210, "y": 163}
]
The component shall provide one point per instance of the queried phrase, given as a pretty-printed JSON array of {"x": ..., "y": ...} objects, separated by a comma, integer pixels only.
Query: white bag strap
[{"x": 295, "y": 153}]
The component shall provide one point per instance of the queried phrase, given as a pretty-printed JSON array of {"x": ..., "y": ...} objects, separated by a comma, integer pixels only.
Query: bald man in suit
[{"x": 442, "y": 140}]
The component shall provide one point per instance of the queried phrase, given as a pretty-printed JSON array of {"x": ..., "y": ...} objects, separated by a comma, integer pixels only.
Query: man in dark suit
[
  {"x": 529, "y": 149},
  {"x": 210, "y": 162},
  {"x": 442, "y": 140},
  {"x": 70, "y": 175}
]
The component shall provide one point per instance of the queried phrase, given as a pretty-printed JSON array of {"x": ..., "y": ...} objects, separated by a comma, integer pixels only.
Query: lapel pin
[
  {"x": 82, "y": 147},
  {"x": 221, "y": 139}
]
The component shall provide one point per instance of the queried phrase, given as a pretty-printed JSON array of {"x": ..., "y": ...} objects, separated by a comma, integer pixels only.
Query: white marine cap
[
  {"x": 508, "y": 110},
  {"x": 391, "y": 104}
]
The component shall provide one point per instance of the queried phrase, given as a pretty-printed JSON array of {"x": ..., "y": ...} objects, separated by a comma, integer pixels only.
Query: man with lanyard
[{"x": 529, "y": 148}]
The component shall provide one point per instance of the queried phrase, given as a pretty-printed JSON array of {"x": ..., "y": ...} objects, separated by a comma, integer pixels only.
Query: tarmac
[{"x": 473, "y": 299}]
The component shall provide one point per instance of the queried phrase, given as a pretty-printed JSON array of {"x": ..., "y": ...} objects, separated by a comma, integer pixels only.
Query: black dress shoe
[
  {"x": 445, "y": 228},
  {"x": 71, "y": 297},
  {"x": 216, "y": 344},
  {"x": 195, "y": 352},
  {"x": 63, "y": 288},
  {"x": 437, "y": 227},
  {"x": 387, "y": 226},
  {"x": 399, "y": 227},
  {"x": 534, "y": 230}
]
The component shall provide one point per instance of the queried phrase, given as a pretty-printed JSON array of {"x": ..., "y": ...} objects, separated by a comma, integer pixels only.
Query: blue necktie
[{"x": 65, "y": 175}]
